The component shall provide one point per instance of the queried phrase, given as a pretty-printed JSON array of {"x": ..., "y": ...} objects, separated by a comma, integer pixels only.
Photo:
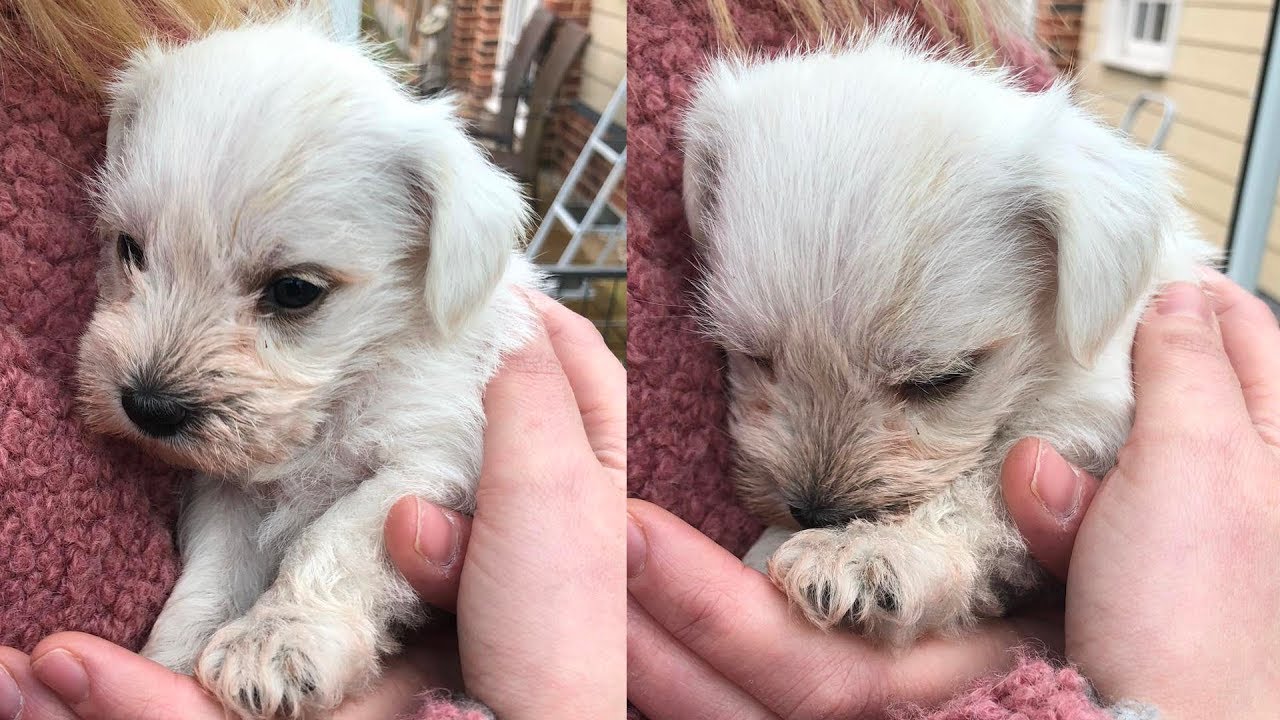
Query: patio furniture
[
  {"x": 500, "y": 128},
  {"x": 522, "y": 162}
]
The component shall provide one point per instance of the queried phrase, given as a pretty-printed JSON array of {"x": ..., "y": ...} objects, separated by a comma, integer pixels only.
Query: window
[{"x": 1140, "y": 34}]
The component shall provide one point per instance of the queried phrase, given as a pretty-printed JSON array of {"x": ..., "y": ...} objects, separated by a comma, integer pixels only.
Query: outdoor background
[{"x": 1203, "y": 57}]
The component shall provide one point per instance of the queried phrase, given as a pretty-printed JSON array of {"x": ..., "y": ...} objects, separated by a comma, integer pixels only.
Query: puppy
[
  {"x": 307, "y": 280},
  {"x": 911, "y": 264}
]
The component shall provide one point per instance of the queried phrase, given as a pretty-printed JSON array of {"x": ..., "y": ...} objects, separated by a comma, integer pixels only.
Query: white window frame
[
  {"x": 1122, "y": 50},
  {"x": 515, "y": 13}
]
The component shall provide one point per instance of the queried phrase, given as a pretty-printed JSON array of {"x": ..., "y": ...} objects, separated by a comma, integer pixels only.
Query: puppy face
[
  {"x": 902, "y": 255},
  {"x": 276, "y": 213}
]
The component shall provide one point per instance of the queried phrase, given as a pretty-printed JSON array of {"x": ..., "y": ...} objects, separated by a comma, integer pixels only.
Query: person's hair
[
  {"x": 963, "y": 23},
  {"x": 81, "y": 40}
]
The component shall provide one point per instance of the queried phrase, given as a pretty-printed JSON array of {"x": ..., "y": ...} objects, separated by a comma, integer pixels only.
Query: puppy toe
[{"x": 263, "y": 667}]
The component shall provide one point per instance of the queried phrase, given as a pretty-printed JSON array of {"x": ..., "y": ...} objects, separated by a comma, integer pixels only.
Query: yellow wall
[
  {"x": 604, "y": 62},
  {"x": 1216, "y": 60}
]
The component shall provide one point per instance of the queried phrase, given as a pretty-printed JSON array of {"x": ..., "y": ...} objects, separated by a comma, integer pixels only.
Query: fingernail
[
  {"x": 637, "y": 548},
  {"x": 1061, "y": 500},
  {"x": 437, "y": 537},
  {"x": 1184, "y": 299},
  {"x": 62, "y": 673},
  {"x": 10, "y": 696}
]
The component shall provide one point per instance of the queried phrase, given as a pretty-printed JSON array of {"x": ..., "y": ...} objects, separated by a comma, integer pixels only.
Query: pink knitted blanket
[{"x": 677, "y": 449}]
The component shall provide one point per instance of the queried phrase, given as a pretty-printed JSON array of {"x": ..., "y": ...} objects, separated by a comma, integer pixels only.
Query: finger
[
  {"x": 667, "y": 682},
  {"x": 1251, "y": 339},
  {"x": 427, "y": 544},
  {"x": 598, "y": 380},
  {"x": 1047, "y": 498},
  {"x": 22, "y": 695},
  {"x": 102, "y": 681},
  {"x": 734, "y": 619},
  {"x": 1183, "y": 380},
  {"x": 533, "y": 426}
]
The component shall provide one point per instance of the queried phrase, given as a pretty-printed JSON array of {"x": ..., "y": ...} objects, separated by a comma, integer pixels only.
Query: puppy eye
[
  {"x": 764, "y": 365},
  {"x": 938, "y": 386},
  {"x": 130, "y": 252},
  {"x": 291, "y": 293}
]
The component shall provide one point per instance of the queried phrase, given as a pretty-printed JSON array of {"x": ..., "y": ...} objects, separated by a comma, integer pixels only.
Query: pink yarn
[
  {"x": 1033, "y": 690},
  {"x": 84, "y": 521}
]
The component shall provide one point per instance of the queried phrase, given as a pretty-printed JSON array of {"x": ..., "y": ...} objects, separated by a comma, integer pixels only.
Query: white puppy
[
  {"x": 307, "y": 280},
  {"x": 912, "y": 264}
]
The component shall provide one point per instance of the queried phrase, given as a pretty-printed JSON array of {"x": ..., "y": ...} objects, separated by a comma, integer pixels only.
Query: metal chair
[
  {"x": 500, "y": 128},
  {"x": 1166, "y": 117},
  {"x": 570, "y": 40}
]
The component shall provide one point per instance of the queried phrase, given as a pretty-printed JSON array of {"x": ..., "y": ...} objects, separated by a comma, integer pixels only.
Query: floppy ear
[
  {"x": 476, "y": 216},
  {"x": 700, "y": 182},
  {"x": 703, "y": 132},
  {"x": 1110, "y": 207},
  {"x": 126, "y": 91}
]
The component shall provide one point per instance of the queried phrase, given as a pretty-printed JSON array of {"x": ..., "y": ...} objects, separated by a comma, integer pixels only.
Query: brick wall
[
  {"x": 1058, "y": 25},
  {"x": 477, "y": 25},
  {"x": 473, "y": 53},
  {"x": 574, "y": 129}
]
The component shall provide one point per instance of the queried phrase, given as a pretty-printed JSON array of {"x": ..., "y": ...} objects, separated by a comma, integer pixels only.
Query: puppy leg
[
  {"x": 317, "y": 634},
  {"x": 223, "y": 572},
  {"x": 937, "y": 571}
]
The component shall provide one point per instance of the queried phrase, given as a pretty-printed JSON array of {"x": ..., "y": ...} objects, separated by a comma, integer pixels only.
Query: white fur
[
  {"x": 268, "y": 147},
  {"x": 878, "y": 213}
]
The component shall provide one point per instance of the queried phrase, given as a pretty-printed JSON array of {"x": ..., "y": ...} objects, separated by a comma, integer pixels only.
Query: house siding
[{"x": 1212, "y": 81}]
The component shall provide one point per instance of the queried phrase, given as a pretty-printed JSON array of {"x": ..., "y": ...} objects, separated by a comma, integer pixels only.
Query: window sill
[{"x": 1145, "y": 68}]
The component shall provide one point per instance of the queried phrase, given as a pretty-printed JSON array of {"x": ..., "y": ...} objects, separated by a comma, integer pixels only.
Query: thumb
[
  {"x": 1047, "y": 498},
  {"x": 427, "y": 544}
]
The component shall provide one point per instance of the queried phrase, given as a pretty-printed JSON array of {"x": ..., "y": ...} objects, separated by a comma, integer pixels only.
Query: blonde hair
[
  {"x": 964, "y": 23},
  {"x": 81, "y": 40}
]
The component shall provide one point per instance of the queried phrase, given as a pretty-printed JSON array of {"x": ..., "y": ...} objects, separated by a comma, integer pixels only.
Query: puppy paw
[
  {"x": 869, "y": 581},
  {"x": 284, "y": 663},
  {"x": 175, "y": 656}
]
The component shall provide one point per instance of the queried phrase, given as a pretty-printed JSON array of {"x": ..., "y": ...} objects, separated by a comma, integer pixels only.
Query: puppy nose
[
  {"x": 814, "y": 516},
  {"x": 155, "y": 414}
]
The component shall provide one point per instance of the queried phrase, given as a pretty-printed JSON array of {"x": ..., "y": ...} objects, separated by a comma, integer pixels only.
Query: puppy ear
[
  {"x": 125, "y": 93},
  {"x": 703, "y": 133},
  {"x": 701, "y": 168},
  {"x": 1110, "y": 208},
  {"x": 475, "y": 216}
]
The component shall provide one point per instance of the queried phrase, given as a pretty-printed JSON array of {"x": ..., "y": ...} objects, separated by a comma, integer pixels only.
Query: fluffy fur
[
  {"x": 911, "y": 264},
  {"x": 266, "y": 152}
]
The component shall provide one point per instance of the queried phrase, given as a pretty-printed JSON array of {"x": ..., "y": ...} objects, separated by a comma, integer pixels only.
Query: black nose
[
  {"x": 155, "y": 414},
  {"x": 810, "y": 515}
]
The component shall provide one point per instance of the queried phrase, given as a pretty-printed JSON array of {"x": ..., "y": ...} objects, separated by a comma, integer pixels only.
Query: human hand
[
  {"x": 711, "y": 638},
  {"x": 539, "y": 596},
  {"x": 1172, "y": 594},
  {"x": 74, "y": 676}
]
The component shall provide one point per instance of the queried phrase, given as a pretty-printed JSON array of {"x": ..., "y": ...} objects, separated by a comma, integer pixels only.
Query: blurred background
[
  {"x": 542, "y": 86},
  {"x": 1195, "y": 78}
]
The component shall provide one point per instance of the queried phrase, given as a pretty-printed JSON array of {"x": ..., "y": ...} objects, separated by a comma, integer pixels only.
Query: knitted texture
[
  {"x": 85, "y": 522},
  {"x": 677, "y": 449},
  {"x": 446, "y": 706},
  {"x": 1033, "y": 690}
]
